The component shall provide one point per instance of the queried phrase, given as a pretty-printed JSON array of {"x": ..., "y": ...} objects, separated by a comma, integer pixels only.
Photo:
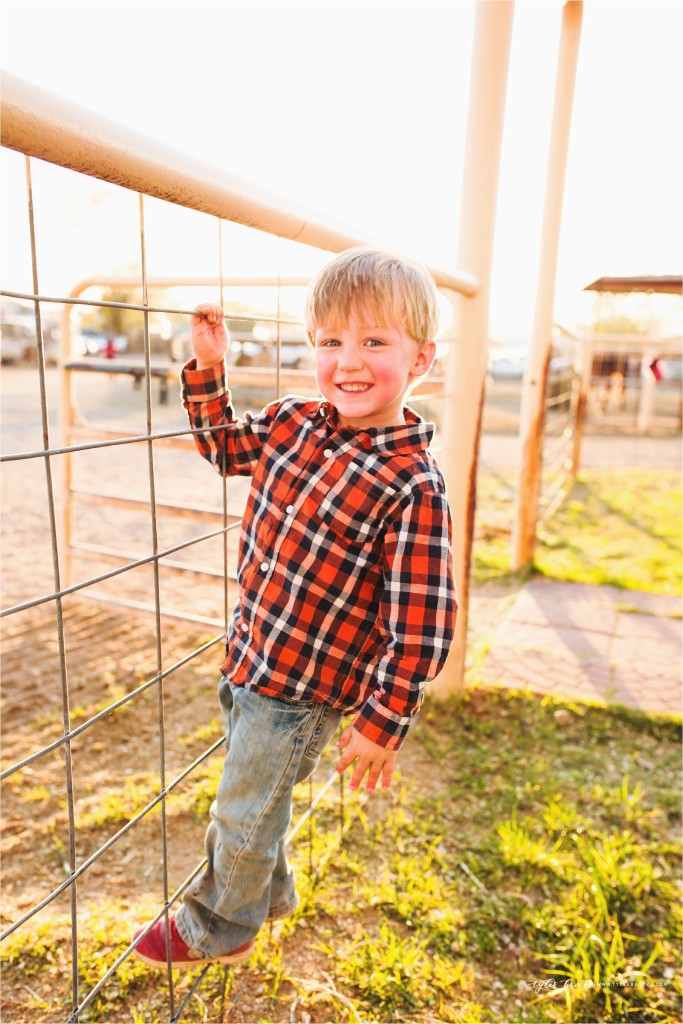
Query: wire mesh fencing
[
  {"x": 121, "y": 552},
  {"x": 559, "y": 426},
  {"x": 501, "y": 451},
  {"x": 120, "y": 568},
  {"x": 119, "y": 511}
]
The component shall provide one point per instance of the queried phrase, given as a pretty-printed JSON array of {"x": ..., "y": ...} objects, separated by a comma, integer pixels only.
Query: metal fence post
[{"x": 468, "y": 357}]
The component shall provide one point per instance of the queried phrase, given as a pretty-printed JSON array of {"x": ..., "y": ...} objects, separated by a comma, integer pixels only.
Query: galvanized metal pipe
[
  {"x": 41, "y": 124},
  {"x": 467, "y": 361}
]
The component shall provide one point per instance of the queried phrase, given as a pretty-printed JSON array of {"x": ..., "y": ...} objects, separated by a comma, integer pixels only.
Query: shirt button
[
  {"x": 289, "y": 509},
  {"x": 328, "y": 452},
  {"x": 265, "y": 566},
  {"x": 244, "y": 627}
]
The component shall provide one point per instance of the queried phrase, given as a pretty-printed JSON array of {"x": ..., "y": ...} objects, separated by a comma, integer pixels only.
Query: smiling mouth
[{"x": 354, "y": 389}]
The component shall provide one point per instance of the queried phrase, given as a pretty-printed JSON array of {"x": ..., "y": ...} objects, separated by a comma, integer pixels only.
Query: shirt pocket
[{"x": 354, "y": 509}]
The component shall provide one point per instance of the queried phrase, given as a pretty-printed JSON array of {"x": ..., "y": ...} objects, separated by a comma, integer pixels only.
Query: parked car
[
  {"x": 17, "y": 339},
  {"x": 507, "y": 362}
]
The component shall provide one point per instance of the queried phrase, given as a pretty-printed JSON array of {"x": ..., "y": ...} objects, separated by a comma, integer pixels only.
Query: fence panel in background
[{"x": 558, "y": 426}]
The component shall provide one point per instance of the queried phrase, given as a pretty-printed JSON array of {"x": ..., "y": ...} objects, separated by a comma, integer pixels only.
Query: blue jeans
[{"x": 272, "y": 743}]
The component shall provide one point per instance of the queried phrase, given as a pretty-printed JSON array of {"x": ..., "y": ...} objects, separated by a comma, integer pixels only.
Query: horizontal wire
[
  {"x": 110, "y": 842},
  {"x": 117, "y": 572},
  {"x": 110, "y": 708},
  {"x": 141, "y": 308},
  {"x": 113, "y": 442},
  {"x": 190, "y": 993},
  {"x": 304, "y": 818},
  {"x": 140, "y": 606}
]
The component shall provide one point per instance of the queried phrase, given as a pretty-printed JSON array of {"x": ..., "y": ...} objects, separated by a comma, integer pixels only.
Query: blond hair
[{"x": 395, "y": 290}]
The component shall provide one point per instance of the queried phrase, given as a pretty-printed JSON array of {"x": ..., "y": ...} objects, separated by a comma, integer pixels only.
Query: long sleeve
[
  {"x": 417, "y": 616},
  {"x": 231, "y": 445}
]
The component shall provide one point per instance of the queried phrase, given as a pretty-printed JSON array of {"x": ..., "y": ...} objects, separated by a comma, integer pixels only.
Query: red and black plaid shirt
[{"x": 345, "y": 570}]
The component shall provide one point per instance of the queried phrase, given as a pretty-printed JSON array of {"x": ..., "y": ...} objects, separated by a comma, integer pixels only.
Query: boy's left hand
[{"x": 372, "y": 758}]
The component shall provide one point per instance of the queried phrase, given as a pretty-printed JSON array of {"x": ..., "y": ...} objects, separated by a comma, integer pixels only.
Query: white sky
[{"x": 358, "y": 110}]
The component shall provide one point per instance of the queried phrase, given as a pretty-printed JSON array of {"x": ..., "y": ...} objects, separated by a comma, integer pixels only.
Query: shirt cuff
[
  {"x": 202, "y": 385},
  {"x": 382, "y": 726}
]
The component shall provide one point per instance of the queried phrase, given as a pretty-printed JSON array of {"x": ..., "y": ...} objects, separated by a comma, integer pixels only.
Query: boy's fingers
[
  {"x": 345, "y": 738},
  {"x": 344, "y": 761},
  {"x": 209, "y": 311},
  {"x": 375, "y": 762},
  {"x": 359, "y": 771}
]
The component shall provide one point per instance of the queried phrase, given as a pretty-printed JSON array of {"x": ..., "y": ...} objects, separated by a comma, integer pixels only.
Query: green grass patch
[
  {"x": 36, "y": 960},
  {"x": 118, "y": 804},
  {"x": 523, "y": 867},
  {"x": 620, "y": 527},
  {"x": 532, "y": 874},
  {"x": 573, "y": 836}
]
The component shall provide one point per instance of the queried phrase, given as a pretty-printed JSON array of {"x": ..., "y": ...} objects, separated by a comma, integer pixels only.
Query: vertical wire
[
  {"x": 157, "y": 595},
  {"x": 224, "y": 481},
  {"x": 68, "y": 766},
  {"x": 226, "y": 585}
]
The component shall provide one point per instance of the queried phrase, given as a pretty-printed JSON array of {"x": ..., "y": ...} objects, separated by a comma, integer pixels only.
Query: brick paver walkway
[{"x": 591, "y": 643}]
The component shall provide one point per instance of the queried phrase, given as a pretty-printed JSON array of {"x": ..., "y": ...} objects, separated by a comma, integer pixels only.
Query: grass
[
  {"x": 39, "y": 956},
  {"x": 518, "y": 870},
  {"x": 619, "y": 527},
  {"x": 525, "y": 872}
]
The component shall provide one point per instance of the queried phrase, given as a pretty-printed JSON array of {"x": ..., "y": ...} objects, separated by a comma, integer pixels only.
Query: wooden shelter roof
[{"x": 671, "y": 285}]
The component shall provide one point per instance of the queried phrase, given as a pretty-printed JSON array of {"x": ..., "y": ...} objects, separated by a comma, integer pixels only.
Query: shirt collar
[{"x": 413, "y": 436}]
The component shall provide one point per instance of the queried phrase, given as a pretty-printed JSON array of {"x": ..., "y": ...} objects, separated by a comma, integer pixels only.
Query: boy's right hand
[{"x": 209, "y": 336}]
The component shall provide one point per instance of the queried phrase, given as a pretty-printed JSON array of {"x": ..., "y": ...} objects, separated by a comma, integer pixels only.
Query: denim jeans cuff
[
  {"x": 283, "y": 910},
  {"x": 184, "y": 933}
]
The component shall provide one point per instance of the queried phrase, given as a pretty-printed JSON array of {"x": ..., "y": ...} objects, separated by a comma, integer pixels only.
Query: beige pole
[
  {"x": 468, "y": 358},
  {"x": 536, "y": 369}
]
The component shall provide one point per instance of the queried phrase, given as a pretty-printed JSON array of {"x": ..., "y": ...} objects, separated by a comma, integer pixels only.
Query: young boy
[{"x": 346, "y": 594}]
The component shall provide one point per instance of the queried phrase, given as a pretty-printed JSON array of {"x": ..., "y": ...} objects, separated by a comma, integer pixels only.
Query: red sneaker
[{"x": 152, "y": 949}]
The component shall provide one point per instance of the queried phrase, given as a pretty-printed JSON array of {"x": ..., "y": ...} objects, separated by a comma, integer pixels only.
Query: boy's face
[{"x": 364, "y": 370}]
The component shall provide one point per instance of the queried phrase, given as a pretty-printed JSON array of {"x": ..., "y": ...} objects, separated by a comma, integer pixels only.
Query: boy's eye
[{"x": 375, "y": 342}]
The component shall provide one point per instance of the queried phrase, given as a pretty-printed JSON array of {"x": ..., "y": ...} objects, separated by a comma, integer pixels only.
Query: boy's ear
[{"x": 424, "y": 359}]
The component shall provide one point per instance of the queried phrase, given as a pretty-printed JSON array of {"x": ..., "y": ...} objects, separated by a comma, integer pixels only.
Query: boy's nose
[{"x": 349, "y": 358}]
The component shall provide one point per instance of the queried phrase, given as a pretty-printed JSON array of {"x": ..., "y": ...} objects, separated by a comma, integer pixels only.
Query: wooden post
[
  {"x": 536, "y": 368},
  {"x": 468, "y": 358}
]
